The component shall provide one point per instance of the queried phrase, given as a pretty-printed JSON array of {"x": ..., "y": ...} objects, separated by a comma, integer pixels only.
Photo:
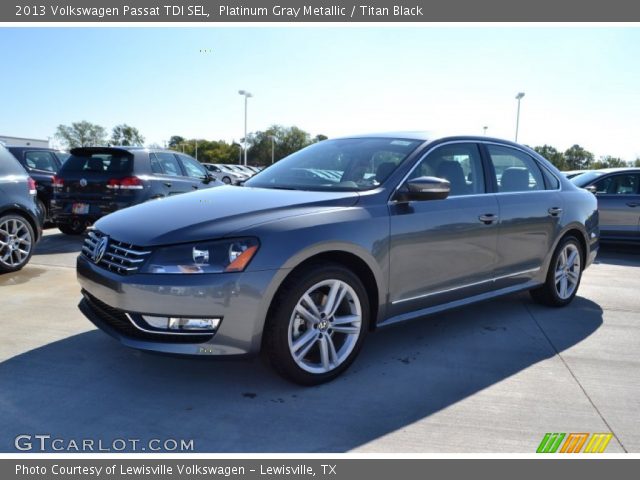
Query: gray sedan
[
  {"x": 334, "y": 241},
  {"x": 618, "y": 194}
]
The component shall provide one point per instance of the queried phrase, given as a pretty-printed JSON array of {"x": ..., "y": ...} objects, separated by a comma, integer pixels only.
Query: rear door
[
  {"x": 530, "y": 210},
  {"x": 619, "y": 205},
  {"x": 195, "y": 172},
  {"x": 169, "y": 173}
]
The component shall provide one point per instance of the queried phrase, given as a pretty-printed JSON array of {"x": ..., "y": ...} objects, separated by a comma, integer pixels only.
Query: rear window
[
  {"x": 8, "y": 164},
  {"x": 99, "y": 163}
]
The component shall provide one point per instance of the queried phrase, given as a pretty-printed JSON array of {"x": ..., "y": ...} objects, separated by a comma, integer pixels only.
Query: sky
[{"x": 581, "y": 84}]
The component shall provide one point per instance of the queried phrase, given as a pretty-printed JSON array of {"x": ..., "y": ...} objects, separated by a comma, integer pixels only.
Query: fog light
[
  {"x": 206, "y": 324},
  {"x": 156, "y": 322}
]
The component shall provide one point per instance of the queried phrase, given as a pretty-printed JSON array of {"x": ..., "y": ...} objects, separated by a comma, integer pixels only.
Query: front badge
[{"x": 100, "y": 250}]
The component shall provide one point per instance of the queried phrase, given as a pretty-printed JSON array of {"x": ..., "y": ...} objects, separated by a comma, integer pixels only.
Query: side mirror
[
  {"x": 424, "y": 188},
  {"x": 591, "y": 188}
]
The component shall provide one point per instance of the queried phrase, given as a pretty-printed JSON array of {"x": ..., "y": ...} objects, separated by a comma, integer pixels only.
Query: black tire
[
  {"x": 75, "y": 228},
  {"x": 276, "y": 334},
  {"x": 12, "y": 264},
  {"x": 226, "y": 180},
  {"x": 549, "y": 294}
]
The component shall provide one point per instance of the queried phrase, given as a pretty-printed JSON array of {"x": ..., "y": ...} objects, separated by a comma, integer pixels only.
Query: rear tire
[
  {"x": 226, "y": 180},
  {"x": 17, "y": 241},
  {"x": 75, "y": 228},
  {"x": 564, "y": 275},
  {"x": 317, "y": 324}
]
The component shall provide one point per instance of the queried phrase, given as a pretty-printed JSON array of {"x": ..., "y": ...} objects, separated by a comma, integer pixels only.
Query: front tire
[
  {"x": 17, "y": 241},
  {"x": 226, "y": 180},
  {"x": 563, "y": 278},
  {"x": 317, "y": 324}
]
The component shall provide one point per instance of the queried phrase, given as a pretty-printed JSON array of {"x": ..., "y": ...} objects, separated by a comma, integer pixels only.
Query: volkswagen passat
[{"x": 333, "y": 241}]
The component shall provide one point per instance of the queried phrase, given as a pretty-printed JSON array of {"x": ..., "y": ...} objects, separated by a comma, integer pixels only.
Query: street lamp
[
  {"x": 484, "y": 130},
  {"x": 273, "y": 148},
  {"x": 518, "y": 97},
  {"x": 246, "y": 96}
]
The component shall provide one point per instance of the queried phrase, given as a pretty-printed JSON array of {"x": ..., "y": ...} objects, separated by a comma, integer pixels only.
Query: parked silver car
[
  {"x": 618, "y": 194},
  {"x": 338, "y": 239},
  {"x": 225, "y": 174}
]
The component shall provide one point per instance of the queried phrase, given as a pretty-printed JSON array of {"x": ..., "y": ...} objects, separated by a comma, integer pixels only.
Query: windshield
[
  {"x": 346, "y": 164},
  {"x": 585, "y": 178}
]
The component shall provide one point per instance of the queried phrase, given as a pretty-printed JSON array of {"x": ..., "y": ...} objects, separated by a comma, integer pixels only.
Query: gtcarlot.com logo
[{"x": 48, "y": 443}]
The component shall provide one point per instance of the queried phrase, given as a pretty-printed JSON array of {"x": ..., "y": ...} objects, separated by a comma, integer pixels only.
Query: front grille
[
  {"x": 119, "y": 257},
  {"x": 122, "y": 323}
]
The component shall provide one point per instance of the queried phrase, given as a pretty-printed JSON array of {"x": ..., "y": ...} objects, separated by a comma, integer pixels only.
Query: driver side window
[{"x": 460, "y": 164}]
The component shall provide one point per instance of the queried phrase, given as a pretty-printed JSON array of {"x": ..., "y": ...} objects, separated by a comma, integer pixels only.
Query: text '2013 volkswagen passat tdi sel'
[{"x": 333, "y": 241}]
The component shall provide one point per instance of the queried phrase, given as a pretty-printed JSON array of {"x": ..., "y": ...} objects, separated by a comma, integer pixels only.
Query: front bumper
[{"x": 240, "y": 299}]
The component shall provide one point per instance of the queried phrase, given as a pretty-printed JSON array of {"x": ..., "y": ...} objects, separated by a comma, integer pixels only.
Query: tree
[
  {"x": 126, "y": 136},
  {"x": 609, "y": 162},
  {"x": 81, "y": 134},
  {"x": 175, "y": 141},
  {"x": 283, "y": 140},
  {"x": 577, "y": 158},
  {"x": 637, "y": 162},
  {"x": 553, "y": 155}
]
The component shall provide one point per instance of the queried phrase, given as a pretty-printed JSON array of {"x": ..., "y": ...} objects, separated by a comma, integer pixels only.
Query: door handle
[
  {"x": 167, "y": 184},
  {"x": 633, "y": 204},
  {"x": 554, "y": 211},
  {"x": 488, "y": 218}
]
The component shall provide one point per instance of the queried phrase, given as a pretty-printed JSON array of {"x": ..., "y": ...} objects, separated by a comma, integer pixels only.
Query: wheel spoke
[
  {"x": 334, "y": 298},
  {"x": 306, "y": 314},
  {"x": 333, "y": 355},
  {"x": 311, "y": 304},
  {"x": 573, "y": 276},
  {"x": 324, "y": 353},
  {"x": 302, "y": 344},
  {"x": 349, "y": 330},
  {"x": 346, "y": 319},
  {"x": 563, "y": 287},
  {"x": 559, "y": 274}
]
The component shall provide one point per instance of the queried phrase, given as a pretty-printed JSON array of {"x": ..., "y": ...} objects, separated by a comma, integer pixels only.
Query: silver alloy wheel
[
  {"x": 15, "y": 242},
  {"x": 567, "y": 272},
  {"x": 325, "y": 326}
]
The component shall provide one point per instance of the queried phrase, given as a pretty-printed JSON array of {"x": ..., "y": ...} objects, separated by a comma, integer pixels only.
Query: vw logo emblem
[
  {"x": 83, "y": 182},
  {"x": 100, "y": 249}
]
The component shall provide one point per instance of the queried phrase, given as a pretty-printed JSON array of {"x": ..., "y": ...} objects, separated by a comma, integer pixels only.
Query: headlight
[{"x": 206, "y": 257}]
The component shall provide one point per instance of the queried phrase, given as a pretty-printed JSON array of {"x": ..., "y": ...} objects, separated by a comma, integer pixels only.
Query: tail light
[
  {"x": 57, "y": 182},
  {"x": 127, "y": 183},
  {"x": 32, "y": 186}
]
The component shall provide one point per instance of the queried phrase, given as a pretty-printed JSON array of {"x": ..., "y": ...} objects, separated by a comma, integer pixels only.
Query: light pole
[
  {"x": 246, "y": 96},
  {"x": 196, "y": 148},
  {"x": 273, "y": 148},
  {"x": 484, "y": 130},
  {"x": 518, "y": 97}
]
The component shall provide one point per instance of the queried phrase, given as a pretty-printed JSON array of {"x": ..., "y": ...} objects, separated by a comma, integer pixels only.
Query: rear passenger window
[
  {"x": 193, "y": 168},
  {"x": 156, "y": 166},
  {"x": 515, "y": 170},
  {"x": 41, "y": 161},
  {"x": 459, "y": 163},
  {"x": 169, "y": 164},
  {"x": 618, "y": 185}
]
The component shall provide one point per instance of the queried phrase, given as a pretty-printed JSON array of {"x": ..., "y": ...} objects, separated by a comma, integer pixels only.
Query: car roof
[
  {"x": 617, "y": 169},
  {"x": 23, "y": 147},
  {"x": 115, "y": 149}
]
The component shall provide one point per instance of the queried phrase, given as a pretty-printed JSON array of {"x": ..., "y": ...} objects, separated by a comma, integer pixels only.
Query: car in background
[
  {"x": 96, "y": 181},
  {"x": 246, "y": 170},
  {"x": 618, "y": 194},
  {"x": 333, "y": 241},
  {"x": 41, "y": 164},
  {"x": 254, "y": 169},
  {"x": 574, "y": 173},
  {"x": 224, "y": 173},
  {"x": 20, "y": 215},
  {"x": 239, "y": 170}
]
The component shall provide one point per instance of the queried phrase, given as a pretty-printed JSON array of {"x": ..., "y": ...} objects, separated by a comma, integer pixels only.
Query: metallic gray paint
[{"x": 424, "y": 257}]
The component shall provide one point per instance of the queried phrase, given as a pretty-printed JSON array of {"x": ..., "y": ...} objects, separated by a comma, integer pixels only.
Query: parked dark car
[
  {"x": 41, "y": 164},
  {"x": 20, "y": 217},
  {"x": 96, "y": 181},
  {"x": 335, "y": 240},
  {"x": 618, "y": 194}
]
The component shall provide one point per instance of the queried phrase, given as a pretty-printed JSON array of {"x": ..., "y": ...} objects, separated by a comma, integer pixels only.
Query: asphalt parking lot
[{"x": 493, "y": 377}]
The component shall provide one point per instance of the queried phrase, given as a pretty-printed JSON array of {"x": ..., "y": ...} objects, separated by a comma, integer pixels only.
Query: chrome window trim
[
  {"x": 479, "y": 142},
  {"x": 452, "y": 289}
]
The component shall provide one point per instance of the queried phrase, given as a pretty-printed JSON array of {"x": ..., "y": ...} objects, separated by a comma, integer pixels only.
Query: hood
[{"x": 214, "y": 213}]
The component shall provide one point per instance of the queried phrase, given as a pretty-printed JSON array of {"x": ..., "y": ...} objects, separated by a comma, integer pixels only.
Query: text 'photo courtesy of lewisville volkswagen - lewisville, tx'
[{"x": 264, "y": 238}]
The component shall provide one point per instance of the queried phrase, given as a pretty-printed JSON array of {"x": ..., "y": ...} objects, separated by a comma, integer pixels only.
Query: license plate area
[{"x": 80, "y": 208}]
